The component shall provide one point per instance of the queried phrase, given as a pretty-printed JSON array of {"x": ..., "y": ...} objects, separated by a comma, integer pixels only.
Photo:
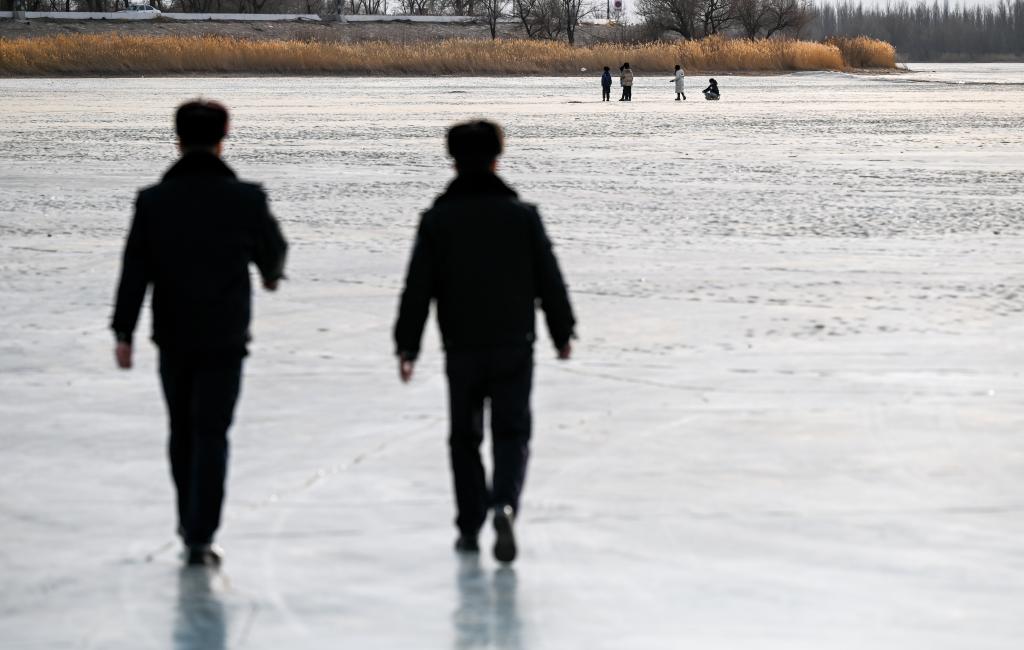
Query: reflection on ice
[
  {"x": 487, "y": 614},
  {"x": 200, "y": 620}
]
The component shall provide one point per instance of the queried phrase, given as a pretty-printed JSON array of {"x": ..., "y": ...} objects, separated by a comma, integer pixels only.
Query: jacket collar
[
  {"x": 476, "y": 184},
  {"x": 199, "y": 163}
]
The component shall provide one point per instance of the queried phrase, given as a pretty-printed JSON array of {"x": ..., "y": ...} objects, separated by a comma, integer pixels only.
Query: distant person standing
[
  {"x": 626, "y": 79},
  {"x": 192, "y": 238},
  {"x": 679, "y": 80},
  {"x": 711, "y": 92},
  {"x": 482, "y": 255},
  {"x": 606, "y": 85}
]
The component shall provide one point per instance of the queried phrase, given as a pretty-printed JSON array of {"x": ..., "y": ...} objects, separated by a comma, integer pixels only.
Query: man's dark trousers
[
  {"x": 505, "y": 376},
  {"x": 201, "y": 391}
]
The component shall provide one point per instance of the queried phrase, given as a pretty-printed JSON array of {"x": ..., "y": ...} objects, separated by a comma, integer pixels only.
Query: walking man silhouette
[
  {"x": 192, "y": 238},
  {"x": 483, "y": 256}
]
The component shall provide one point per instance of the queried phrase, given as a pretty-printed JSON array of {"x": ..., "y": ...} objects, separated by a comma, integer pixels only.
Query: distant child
[
  {"x": 606, "y": 85},
  {"x": 711, "y": 92},
  {"x": 678, "y": 81},
  {"x": 626, "y": 79}
]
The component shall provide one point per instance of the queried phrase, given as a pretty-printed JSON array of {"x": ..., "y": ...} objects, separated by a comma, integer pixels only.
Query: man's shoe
[
  {"x": 208, "y": 555},
  {"x": 505, "y": 544},
  {"x": 467, "y": 544}
]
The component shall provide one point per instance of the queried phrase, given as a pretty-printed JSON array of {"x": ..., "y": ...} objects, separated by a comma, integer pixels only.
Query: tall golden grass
[
  {"x": 864, "y": 52},
  {"x": 93, "y": 54}
]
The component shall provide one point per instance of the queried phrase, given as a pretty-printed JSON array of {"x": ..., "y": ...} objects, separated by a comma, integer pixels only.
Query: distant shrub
[
  {"x": 78, "y": 54},
  {"x": 864, "y": 52},
  {"x": 716, "y": 53}
]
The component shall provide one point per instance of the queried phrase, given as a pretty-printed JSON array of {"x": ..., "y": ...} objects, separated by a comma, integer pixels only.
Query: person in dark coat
[
  {"x": 192, "y": 239},
  {"x": 606, "y": 85},
  {"x": 483, "y": 256},
  {"x": 711, "y": 92}
]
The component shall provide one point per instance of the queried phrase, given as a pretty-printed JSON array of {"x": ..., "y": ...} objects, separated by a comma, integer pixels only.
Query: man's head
[
  {"x": 201, "y": 125},
  {"x": 475, "y": 146},
  {"x": 677, "y": 66},
  {"x": 607, "y": 69}
]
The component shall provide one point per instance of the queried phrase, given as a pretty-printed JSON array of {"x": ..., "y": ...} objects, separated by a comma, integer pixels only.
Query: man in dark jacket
[
  {"x": 484, "y": 257},
  {"x": 192, "y": 238}
]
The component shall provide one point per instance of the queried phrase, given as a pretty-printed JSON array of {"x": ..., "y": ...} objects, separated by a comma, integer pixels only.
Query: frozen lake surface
[{"x": 794, "y": 419}]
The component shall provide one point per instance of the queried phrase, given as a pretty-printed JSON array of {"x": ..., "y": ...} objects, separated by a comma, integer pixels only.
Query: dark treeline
[
  {"x": 926, "y": 31},
  {"x": 929, "y": 32},
  {"x": 196, "y": 6}
]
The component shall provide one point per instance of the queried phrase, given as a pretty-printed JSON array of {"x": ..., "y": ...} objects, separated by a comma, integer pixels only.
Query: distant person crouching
[
  {"x": 192, "y": 238},
  {"x": 482, "y": 255},
  {"x": 711, "y": 92}
]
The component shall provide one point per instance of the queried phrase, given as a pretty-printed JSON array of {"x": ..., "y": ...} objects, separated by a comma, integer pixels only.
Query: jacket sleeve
[
  {"x": 551, "y": 289},
  {"x": 135, "y": 278},
  {"x": 271, "y": 247},
  {"x": 418, "y": 292}
]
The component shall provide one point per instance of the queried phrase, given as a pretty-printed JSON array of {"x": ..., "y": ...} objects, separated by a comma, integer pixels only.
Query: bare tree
[
  {"x": 751, "y": 16},
  {"x": 680, "y": 16},
  {"x": 524, "y": 11},
  {"x": 716, "y": 15},
  {"x": 786, "y": 15},
  {"x": 370, "y": 7},
  {"x": 493, "y": 11},
  {"x": 466, "y": 7},
  {"x": 419, "y": 7},
  {"x": 574, "y": 11},
  {"x": 540, "y": 18},
  {"x": 765, "y": 18},
  {"x": 551, "y": 19}
]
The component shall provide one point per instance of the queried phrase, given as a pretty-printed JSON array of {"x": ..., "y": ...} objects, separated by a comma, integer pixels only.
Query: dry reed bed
[
  {"x": 864, "y": 52},
  {"x": 82, "y": 54}
]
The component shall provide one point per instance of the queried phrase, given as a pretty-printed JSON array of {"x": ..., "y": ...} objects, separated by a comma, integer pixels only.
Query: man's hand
[
  {"x": 123, "y": 354},
  {"x": 270, "y": 285},
  {"x": 405, "y": 367},
  {"x": 565, "y": 351}
]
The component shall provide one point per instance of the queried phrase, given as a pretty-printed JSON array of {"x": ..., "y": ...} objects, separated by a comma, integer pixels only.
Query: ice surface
[{"x": 793, "y": 421}]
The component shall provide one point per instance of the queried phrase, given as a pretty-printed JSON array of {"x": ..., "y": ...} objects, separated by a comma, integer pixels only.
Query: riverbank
[{"x": 116, "y": 53}]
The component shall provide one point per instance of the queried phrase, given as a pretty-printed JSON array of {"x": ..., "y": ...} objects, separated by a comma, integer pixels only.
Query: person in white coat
[
  {"x": 626, "y": 80},
  {"x": 678, "y": 81}
]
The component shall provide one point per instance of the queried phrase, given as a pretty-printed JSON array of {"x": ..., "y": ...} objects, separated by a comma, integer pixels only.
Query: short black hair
[
  {"x": 201, "y": 123},
  {"x": 475, "y": 145},
  {"x": 606, "y": 68}
]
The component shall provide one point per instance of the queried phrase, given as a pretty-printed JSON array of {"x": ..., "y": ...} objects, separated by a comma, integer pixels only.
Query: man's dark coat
[
  {"x": 193, "y": 237},
  {"x": 484, "y": 256}
]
